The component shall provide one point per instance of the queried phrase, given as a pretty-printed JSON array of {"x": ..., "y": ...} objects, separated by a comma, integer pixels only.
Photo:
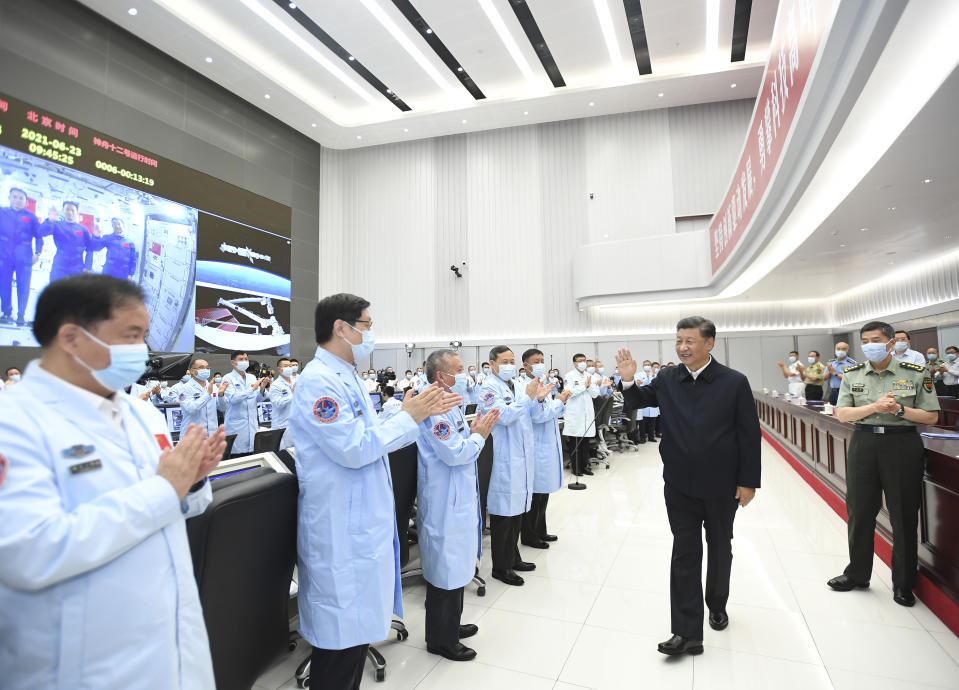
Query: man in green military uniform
[
  {"x": 886, "y": 399},
  {"x": 813, "y": 376}
]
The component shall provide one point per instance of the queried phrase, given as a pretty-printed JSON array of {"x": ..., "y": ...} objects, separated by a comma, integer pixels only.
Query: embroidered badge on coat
[
  {"x": 489, "y": 398},
  {"x": 326, "y": 410},
  {"x": 927, "y": 384},
  {"x": 442, "y": 430}
]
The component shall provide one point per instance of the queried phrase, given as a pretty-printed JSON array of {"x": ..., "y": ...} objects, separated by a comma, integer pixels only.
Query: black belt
[{"x": 878, "y": 429}]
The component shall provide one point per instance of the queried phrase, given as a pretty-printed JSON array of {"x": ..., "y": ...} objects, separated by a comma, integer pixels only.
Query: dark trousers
[
  {"x": 579, "y": 453},
  {"x": 504, "y": 538},
  {"x": 24, "y": 272},
  {"x": 688, "y": 516},
  {"x": 833, "y": 396},
  {"x": 534, "y": 519},
  {"x": 890, "y": 464},
  {"x": 444, "y": 608},
  {"x": 813, "y": 392},
  {"x": 337, "y": 669}
]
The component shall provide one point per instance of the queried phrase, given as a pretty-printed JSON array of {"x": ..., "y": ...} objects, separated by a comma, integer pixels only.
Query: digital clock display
[{"x": 212, "y": 259}]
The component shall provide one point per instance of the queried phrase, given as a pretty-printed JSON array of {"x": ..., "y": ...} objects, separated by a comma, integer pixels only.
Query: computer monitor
[
  {"x": 264, "y": 412},
  {"x": 174, "y": 418},
  {"x": 375, "y": 399}
]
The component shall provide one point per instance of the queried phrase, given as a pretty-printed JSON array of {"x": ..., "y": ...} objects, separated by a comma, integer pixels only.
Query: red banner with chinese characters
[{"x": 800, "y": 25}]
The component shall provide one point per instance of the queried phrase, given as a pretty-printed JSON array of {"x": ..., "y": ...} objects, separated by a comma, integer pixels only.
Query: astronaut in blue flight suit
[
  {"x": 21, "y": 243},
  {"x": 75, "y": 244},
  {"x": 121, "y": 259}
]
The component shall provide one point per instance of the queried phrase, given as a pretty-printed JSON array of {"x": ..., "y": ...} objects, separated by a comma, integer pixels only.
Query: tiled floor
[{"x": 591, "y": 614}]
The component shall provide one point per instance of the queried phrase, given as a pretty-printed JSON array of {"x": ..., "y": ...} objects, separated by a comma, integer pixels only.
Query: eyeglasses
[{"x": 368, "y": 323}]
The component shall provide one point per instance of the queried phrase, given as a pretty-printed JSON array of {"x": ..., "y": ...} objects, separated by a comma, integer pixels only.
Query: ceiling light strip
[
  {"x": 535, "y": 36},
  {"x": 609, "y": 34},
  {"x": 637, "y": 33},
  {"x": 394, "y": 30},
  {"x": 712, "y": 29},
  {"x": 744, "y": 9},
  {"x": 301, "y": 18},
  {"x": 442, "y": 52},
  {"x": 506, "y": 37}
]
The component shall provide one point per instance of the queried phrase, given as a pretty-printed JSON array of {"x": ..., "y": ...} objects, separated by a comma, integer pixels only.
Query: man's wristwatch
[{"x": 902, "y": 411}]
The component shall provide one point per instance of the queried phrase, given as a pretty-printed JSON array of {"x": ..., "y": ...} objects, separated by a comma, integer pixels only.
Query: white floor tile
[
  {"x": 284, "y": 667},
  {"x": 874, "y": 605},
  {"x": 885, "y": 651},
  {"x": 949, "y": 642},
  {"x": 928, "y": 619},
  {"x": 811, "y": 566},
  {"x": 473, "y": 675},
  {"x": 767, "y": 632},
  {"x": 631, "y": 610},
  {"x": 645, "y": 568},
  {"x": 852, "y": 680},
  {"x": 549, "y": 598},
  {"x": 607, "y": 660},
  {"x": 721, "y": 669}
]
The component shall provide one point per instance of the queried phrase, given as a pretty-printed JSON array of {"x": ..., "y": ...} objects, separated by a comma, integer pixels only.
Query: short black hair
[
  {"x": 388, "y": 391},
  {"x": 16, "y": 189},
  {"x": 217, "y": 373},
  {"x": 294, "y": 359},
  {"x": 906, "y": 333},
  {"x": 497, "y": 351},
  {"x": 530, "y": 352},
  {"x": 83, "y": 299},
  {"x": 707, "y": 329},
  {"x": 71, "y": 203},
  {"x": 815, "y": 352},
  {"x": 577, "y": 356},
  {"x": 793, "y": 352},
  {"x": 281, "y": 359},
  {"x": 952, "y": 347},
  {"x": 9, "y": 369},
  {"x": 341, "y": 306},
  {"x": 887, "y": 330},
  {"x": 237, "y": 353}
]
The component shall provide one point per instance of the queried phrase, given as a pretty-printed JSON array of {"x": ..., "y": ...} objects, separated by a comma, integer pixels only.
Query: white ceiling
[
  {"x": 924, "y": 224},
  {"x": 258, "y": 49}
]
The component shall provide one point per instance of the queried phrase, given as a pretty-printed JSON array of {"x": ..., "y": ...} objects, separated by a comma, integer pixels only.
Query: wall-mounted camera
[
  {"x": 591, "y": 196},
  {"x": 456, "y": 271}
]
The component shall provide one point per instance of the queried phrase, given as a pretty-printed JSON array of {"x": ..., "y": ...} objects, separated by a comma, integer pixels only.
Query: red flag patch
[{"x": 163, "y": 441}]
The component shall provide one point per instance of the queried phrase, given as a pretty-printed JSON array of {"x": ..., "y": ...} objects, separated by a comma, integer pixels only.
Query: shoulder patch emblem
[
  {"x": 927, "y": 384},
  {"x": 326, "y": 410},
  {"x": 911, "y": 366},
  {"x": 3, "y": 469},
  {"x": 182, "y": 397},
  {"x": 442, "y": 430},
  {"x": 489, "y": 398},
  {"x": 855, "y": 367}
]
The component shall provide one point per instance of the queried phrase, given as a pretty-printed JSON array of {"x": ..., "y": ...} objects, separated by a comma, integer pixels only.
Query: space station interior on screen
[
  {"x": 243, "y": 288},
  {"x": 55, "y": 222}
]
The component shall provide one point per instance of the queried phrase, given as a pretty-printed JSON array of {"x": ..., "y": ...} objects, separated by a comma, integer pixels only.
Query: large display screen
[{"x": 213, "y": 260}]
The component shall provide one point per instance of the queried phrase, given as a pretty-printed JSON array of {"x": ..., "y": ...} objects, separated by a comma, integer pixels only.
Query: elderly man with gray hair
[{"x": 448, "y": 509}]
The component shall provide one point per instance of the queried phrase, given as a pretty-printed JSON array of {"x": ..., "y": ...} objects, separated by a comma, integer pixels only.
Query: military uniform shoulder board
[
  {"x": 911, "y": 366},
  {"x": 855, "y": 367},
  {"x": 832, "y": 360}
]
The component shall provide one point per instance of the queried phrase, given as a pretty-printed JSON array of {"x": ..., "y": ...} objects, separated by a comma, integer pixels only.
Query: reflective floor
[{"x": 591, "y": 614}]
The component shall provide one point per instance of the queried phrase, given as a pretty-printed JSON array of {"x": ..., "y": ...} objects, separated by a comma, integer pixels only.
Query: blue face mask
[
  {"x": 287, "y": 371},
  {"x": 365, "y": 348},
  {"x": 539, "y": 370},
  {"x": 127, "y": 364},
  {"x": 203, "y": 374},
  {"x": 602, "y": 370},
  {"x": 242, "y": 366},
  {"x": 875, "y": 352},
  {"x": 507, "y": 371},
  {"x": 951, "y": 356},
  {"x": 590, "y": 370},
  {"x": 811, "y": 360},
  {"x": 792, "y": 360},
  {"x": 840, "y": 354},
  {"x": 459, "y": 387},
  {"x": 647, "y": 368},
  {"x": 931, "y": 357}
]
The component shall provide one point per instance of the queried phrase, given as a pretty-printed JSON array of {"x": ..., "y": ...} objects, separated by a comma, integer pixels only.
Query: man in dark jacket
[{"x": 711, "y": 466}]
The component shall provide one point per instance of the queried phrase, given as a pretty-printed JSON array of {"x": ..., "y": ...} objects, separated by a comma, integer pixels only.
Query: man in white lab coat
[
  {"x": 96, "y": 580},
  {"x": 579, "y": 420}
]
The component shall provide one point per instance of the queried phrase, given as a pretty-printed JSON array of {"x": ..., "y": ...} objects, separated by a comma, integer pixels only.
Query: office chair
[
  {"x": 602, "y": 407},
  {"x": 229, "y": 446},
  {"x": 244, "y": 549},
  {"x": 623, "y": 426},
  {"x": 268, "y": 441}
]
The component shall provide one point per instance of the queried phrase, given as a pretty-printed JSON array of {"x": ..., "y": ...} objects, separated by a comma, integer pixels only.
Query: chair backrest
[
  {"x": 244, "y": 550},
  {"x": 403, "y": 471},
  {"x": 229, "y": 446},
  {"x": 268, "y": 441}
]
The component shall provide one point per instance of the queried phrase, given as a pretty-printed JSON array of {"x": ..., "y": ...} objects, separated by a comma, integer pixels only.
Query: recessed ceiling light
[
  {"x": 312, "y": 124},
  {"x": 525, "y": 112},
  {"x": 891, "y": 263},
  {"x": 464, "y": 122},
  {"x": 266, "y": 96},
  {"x": 459, "y": 69},
  {"x": 351, "y": 58},
  {"x": 209, "y": 59},
  {"x": 591, "y": 104},
  {"x": 292, "y": 5},
  {"x": 733, "y": 85},
  {"x": 843, "y": 245},
  {"x": 390, "y": 91},
  {"x": 406, "y": 129},
  {"x": 429, "y": 31},
  {"x": 927, "y": 180},
  {"x": 835, "y": 232},
  {"x": 132, "y": 11},
  {"x": 892, "y": 208},
  {"x": 661, "y": 94},
  {"x": 863, "y": 229},
  {"x": 948, "y": 237},
  {"x": 605, "y": 235}
]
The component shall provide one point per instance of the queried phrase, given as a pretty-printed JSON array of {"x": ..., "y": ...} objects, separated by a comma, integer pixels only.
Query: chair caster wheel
[
  {"x": 481, "y": 592},
  {"x": 291, "y": 646},
  {"x": 402, "y": 635},
  {"x": 380, "y": 675},
  {"x": 607, "y": 466},
  {"x": 303, "y": 682}
]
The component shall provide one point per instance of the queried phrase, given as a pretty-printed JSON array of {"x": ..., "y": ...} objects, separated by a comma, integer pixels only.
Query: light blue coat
[
  {"x": 347, "y": 545},
  {"x": 281, "y": 397},
  {"x": 96, "y": 580},
  {"x": 644, "y": 379},
  {"x": 511, "y": 483},
  {"x": 197, "y": 406},
  {"x": 548, "y": 447},
  {"x": 447, "y": 500},
  {"x": 240, "y": 399}
]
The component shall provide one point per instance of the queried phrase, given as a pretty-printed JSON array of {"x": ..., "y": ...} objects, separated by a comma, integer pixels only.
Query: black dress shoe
[
  {"x": 524, "y": 566},
  {"x": 588, "y": 471},
  {"x": 652, "y": 439},
  {"x": 536, "y": 544},
  {"x": 642, "y": 440},
  {"x": 459, "y": 652},
  {"x": 550, "y": 537},
  {"x": 468, "y": 630},
  {"x": 680, "y": 645},
  {"x": 718, "y": 620},
  {"x": 844, "y": 583},
  {"x": 509, "y": 577},
  {"x": 903, "y": 596}
]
